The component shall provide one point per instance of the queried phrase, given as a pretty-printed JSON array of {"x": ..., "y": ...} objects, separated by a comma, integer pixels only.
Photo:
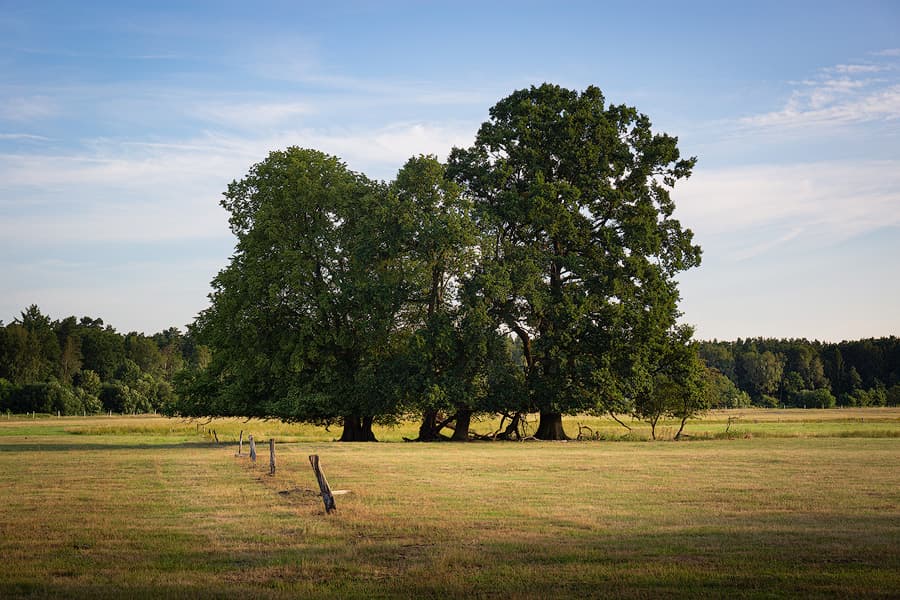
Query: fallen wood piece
[{"x": 300, "y": 491}]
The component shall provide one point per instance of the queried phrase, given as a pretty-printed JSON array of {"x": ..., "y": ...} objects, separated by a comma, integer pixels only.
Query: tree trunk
[
  {"x": 463, "y": 419},
  {"x": 428, "y": 429},
  {"x": 550, "y": 427},
  {"x": 357, "y": 429}
]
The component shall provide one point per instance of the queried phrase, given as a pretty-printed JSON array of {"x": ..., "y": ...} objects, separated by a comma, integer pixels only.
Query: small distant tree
[
  {"x": 820, "y": 398},
  {"x": 762, "y": 372},
  {"x": 6, "y": 392},
  {"x": 892, "y": 395},
  {"x": 722, "y": 392},
  {"x": 88, "y": 387},
  {"x": 672, "y": 383}
]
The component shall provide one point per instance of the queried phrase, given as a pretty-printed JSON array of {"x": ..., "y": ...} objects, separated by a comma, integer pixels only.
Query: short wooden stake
[
  {"x": 216, "y": 437},
  {"x": 241, "y": 443},
  {"x": 272, "y": 456},
  {"x": 252, "y": 448},
  {"x": 327, "y": 497}
]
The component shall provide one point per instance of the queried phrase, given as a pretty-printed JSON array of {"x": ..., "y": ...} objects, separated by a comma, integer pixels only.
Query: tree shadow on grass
[
  {"x": 766, "y": 559},
  {"x": 88, "y": 446}
]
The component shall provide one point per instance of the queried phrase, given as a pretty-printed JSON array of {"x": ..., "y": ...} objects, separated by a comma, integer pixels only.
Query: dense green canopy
[
  {"x": 573, "y": 198},
  {"x": 351, "y": 300},
  {"x": 302, "y": 320}
]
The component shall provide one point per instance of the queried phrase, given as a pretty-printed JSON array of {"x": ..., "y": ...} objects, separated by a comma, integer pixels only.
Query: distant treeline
[
  {"x": 800, "y": 373},
  {"x": 75, "y": 366}
]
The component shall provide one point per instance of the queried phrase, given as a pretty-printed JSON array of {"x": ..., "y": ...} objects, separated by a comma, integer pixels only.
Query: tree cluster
[
  {"x": 531, "y": 273},
  {"x": 74, "y": 366},
  {"x": 800, "y": 373}
]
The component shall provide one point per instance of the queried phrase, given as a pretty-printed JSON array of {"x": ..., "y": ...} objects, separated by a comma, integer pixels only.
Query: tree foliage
[
  {"x": 797, "y": 372},
  {"x": 572, "y": 198},
  {"x": 65, "y": 365},
  {"x": 307, "y": 319},
  {"x": 534, "y": 272}
]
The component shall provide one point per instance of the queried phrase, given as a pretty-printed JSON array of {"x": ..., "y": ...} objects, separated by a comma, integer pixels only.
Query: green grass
[
  {"x": 107, "y": 507},
  {"x": 751, "y": 422}
]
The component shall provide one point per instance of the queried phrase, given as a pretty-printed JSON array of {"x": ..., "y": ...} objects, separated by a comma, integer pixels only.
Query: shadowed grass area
[{"x": 159, "y": 511}]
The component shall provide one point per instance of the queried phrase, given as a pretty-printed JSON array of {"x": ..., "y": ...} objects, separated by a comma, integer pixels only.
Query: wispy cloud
[
  {"x": 23, "y": 136},
  {"x": 837, "y": 96},
  {"x": 749, "y": 211},
  {"x": 858, "y": 68},
  {"x": 887, "y": 52},
  {"x": 30, "y": 108},
  {"x": 253, "y": 115},
  {"x": 139, "y": 191},
  {"x": 767, "y": 245}
]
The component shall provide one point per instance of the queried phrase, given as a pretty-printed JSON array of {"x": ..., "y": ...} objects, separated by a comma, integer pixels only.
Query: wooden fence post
[
  {"x": 327, "y": 497},
  {"x": 216, "y": 437},
  {"x": 252, "y": 449},
  {"x": 271, "y": 456},
  {"x": 241, "y": 443}
]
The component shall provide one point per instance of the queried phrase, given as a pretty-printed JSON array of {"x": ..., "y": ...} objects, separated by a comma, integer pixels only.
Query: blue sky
[{"x": 120, "y": 127}]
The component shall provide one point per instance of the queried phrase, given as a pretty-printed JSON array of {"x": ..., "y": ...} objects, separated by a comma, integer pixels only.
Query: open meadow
[{"x": 799, "y": 503}]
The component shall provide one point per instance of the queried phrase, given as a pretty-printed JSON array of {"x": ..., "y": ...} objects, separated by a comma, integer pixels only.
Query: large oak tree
[
  {"x": 573, "y": 198},
  {"x": 305, "y": 320}
]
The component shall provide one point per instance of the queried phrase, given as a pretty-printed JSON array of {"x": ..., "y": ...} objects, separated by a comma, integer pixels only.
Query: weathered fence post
[
  {"x": 216, "y": 437},
  {"x": 327, "y": 497},
  {"x": 252, "y": 448},
  {"x": 241, "y": 443},
  {"x": 271, "y": 456}
]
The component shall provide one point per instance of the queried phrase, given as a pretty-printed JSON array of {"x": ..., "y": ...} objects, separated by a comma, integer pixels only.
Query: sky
[{"x": 121, "y": 126}]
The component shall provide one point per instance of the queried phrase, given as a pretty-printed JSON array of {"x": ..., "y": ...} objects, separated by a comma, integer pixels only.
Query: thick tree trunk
[
  {"x": 463, "y": 419},
  {"x": 428, "y": 428},
  {"x": 550, "y": 427},
  {"x": 357, "y": 429}
]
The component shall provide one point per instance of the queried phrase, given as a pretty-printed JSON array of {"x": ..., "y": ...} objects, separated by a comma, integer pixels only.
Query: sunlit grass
[
  {"x": 151, "y": 507},
  {"x": 737, "y": 423}
]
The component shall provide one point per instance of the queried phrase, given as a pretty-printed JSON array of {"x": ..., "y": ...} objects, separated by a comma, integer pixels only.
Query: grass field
[{"x": 797, "y": 503}]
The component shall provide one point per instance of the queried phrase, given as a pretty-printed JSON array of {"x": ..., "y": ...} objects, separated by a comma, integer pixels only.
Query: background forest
[
  {"x": 74, "y": 366},
  {"x": 804, "y": 374}
]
